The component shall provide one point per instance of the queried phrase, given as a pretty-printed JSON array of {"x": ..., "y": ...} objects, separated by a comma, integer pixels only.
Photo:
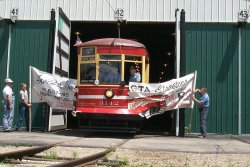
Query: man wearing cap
[
  {"x": 8, "y": 106},
  {"x": 134, "y": 76}
]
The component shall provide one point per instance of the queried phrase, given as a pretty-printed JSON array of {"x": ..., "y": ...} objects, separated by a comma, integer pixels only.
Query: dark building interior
[{"x": 159, "y": 38}]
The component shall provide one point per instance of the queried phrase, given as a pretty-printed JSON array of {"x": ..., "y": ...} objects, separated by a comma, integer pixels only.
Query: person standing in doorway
[
  {"x": 8, "y": 106},
  {"x": 23, "y": 108},
  {"x": 134, "y": 76},
  {"x": 203, "y": 104}
]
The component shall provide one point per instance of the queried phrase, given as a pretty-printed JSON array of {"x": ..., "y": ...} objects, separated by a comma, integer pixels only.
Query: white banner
[
  {"x": 57, "y": 91},
  {"x": 170, "y": 95}
]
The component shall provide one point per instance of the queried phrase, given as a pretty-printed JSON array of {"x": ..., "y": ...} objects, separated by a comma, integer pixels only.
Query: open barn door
[
  {"x": 58, "y": 118},
  {"x": 177, "y": 60},
  {"x": 180, "y": 65}
]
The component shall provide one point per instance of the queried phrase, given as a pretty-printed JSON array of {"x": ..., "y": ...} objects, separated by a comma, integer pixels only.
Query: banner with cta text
[
  {"x": 57, "y": 91},
  {"x": 169, "y": 95}
]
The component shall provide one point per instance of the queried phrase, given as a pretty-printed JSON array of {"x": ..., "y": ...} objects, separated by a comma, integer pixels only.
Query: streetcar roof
[{"x": 113, "y": 42}]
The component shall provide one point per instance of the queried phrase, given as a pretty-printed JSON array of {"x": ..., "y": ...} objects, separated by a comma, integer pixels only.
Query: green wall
[
  {"x": 29, "y": 47},
  {"x": 212, "y": 50},
  {"x": 3, "y": 57},
  {"x": 245, "y": 79}
]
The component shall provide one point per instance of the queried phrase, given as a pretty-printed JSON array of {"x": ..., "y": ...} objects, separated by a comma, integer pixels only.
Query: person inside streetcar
[{"x": 134, "y": 75}]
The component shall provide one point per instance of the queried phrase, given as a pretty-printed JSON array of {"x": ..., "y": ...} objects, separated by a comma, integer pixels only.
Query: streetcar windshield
[
  {"x": 109, "y": 69},
  {"x": 109, "y": 73}
]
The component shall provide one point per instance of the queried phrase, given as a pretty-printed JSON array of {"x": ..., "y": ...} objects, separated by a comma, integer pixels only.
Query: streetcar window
[
  {"x": 110, "y": 57},
  {"x": 110, "y": 69},
  {"x": 135, "y": 61},
  {"x": 87, "y": 73},
  {"x": 138, "y": 67},
  {"x": 133, "y": 58},
  {"x": 109, "y": 72}
]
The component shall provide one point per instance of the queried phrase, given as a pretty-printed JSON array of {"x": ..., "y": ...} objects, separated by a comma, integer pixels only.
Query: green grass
[
  {"x": 123, "y": 161},
  {"x": 186, "y": 162},
  {"x": 187, "y": 130},
  {"x": 204, "y": 163},
  {"x": 113, "y": 149},
  {"x": 11, "y": 165},
  {"x": 74, "y": 154},
  {"x": 145, "y": 165},
  {"x": 170, "y": 164},
  {"x": 222, "y": 133},
  {"x": 50, "y": 154},
  {"x": 16, "y": 145}
]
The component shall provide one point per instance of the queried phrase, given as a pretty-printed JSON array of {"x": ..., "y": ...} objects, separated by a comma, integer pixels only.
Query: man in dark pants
[
  {"x": 203, "y": 104},
  {"x": 23, "y": 108}
]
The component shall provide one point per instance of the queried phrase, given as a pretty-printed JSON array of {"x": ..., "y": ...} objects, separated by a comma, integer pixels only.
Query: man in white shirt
[
  {"x": 23, "y": 108},
  {"x": 8, "y": 106}
]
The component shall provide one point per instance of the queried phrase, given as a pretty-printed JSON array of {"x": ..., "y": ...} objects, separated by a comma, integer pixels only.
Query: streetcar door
[{"x": 58, "y": 118}]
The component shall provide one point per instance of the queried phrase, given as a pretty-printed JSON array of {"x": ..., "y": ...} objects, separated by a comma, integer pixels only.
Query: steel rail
[
  {"x": 22, "y": 154},
  {"x": 91, "y": 158},
  {"x": 43, "y": 159},
  {"x": 25, "y": 152},
  {"x": 29, "y": 151},
  {"x": 83, "y": 160}
]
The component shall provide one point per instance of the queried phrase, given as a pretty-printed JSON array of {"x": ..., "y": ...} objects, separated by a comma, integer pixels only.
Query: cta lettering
[{"x": 144, "y": 89}]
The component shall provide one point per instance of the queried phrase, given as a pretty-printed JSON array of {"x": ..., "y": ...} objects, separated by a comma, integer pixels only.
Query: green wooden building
[{"x": 217, "y": 46}]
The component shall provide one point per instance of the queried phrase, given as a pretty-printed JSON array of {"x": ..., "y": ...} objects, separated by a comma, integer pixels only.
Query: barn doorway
[{"x": 159, "y": 38}]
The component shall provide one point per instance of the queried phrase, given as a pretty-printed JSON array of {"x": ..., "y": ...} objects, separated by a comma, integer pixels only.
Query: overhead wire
[{"x": 110, "y": 5}]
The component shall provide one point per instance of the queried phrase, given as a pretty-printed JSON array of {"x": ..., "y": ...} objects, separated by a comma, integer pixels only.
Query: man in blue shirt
[
  {"x": 134, "y": 76},
  {"x": 203, "y": 104}
]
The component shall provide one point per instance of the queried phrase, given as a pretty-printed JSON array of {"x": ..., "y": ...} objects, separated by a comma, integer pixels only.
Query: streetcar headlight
[
  {"x": 96, "y": 82},
  {"x": 109, "y": 94}
]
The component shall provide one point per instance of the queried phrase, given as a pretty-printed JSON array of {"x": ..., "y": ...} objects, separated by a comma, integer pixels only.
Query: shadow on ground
[{"x": 120, "y": 135}]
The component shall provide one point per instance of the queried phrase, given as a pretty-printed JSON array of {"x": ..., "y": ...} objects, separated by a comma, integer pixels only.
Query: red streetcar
[{"x": 103, "y": 78}]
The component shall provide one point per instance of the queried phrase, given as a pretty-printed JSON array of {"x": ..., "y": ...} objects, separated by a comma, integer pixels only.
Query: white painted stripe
[{"x": 102, "y": 97}]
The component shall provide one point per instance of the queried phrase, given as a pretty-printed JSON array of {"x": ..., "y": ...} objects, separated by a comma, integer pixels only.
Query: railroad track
[{"x": 29, "y": 157}]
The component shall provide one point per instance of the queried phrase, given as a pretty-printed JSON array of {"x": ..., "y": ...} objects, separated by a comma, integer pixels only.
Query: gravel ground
[
  {"x": 70, "y": 152},
  {"x": 138, "y": 158},
  {"x": 53, "y": 153}
]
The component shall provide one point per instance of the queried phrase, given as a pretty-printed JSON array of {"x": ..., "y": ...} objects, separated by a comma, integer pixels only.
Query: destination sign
[{"x": 90, "y": 51}]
